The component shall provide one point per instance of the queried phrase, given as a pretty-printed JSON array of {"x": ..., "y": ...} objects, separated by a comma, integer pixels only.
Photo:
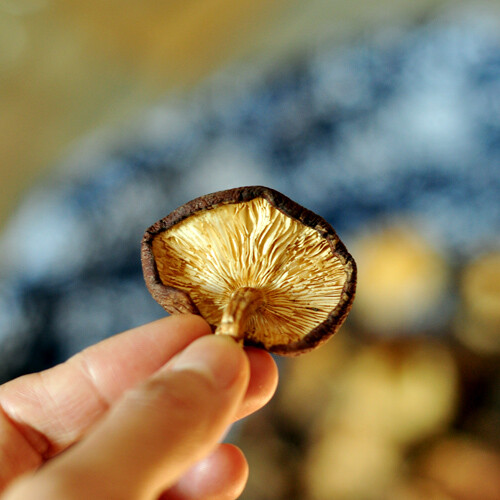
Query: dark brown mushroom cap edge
[{"x": 176, "y": 301}]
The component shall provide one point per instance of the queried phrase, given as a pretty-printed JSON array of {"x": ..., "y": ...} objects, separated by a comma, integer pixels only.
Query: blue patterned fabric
[{"x": 407, "y": 124}]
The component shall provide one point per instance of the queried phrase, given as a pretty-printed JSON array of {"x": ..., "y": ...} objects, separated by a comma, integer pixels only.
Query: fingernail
[{"x": 216, "y": 357}]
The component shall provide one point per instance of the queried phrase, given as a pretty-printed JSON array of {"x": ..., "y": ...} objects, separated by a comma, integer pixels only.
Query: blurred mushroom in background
[
  {"x": 478, "y": 323},
  {"x": 403, "y": 281},
  {"x": 348, "y": 464},
  {"x": 402, "y": 391},
  {"x": 463, "y": 467},
  {"x": 391, "y": 396}
]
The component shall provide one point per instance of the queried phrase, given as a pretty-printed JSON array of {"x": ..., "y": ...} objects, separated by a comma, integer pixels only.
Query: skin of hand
[{"x": 138, "y": 416}]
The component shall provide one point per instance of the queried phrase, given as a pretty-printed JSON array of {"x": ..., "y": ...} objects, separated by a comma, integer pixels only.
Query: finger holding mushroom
[{"x": 256, "y": 265}]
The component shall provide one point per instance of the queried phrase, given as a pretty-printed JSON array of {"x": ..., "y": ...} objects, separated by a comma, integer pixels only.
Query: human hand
[{"x": 137, "y": 416}]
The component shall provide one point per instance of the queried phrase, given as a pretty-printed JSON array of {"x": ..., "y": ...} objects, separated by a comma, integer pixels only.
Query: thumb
[{"x": 156, "y": 432}]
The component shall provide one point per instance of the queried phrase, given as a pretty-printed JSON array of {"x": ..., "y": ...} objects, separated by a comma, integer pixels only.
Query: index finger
[{"x": 54, "y": 408}]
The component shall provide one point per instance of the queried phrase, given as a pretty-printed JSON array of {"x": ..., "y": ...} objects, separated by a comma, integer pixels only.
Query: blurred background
[{"x": 382, "y": 117}]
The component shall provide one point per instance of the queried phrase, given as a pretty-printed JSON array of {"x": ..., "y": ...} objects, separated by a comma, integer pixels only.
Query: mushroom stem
[{"x": 242, "y": 304}]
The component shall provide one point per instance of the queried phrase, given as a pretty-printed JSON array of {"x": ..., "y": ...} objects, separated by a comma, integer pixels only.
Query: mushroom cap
[{"x": 195, "y": 258}]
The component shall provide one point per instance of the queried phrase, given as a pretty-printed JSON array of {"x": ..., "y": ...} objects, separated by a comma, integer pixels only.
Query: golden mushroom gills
[{"x": 252, "y": 271}]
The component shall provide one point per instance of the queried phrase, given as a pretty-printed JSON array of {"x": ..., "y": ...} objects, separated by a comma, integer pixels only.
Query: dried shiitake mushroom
[{"x": 255, "y": 265}]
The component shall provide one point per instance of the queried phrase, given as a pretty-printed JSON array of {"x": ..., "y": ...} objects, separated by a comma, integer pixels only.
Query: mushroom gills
[{"x": 251, "y": 262}]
